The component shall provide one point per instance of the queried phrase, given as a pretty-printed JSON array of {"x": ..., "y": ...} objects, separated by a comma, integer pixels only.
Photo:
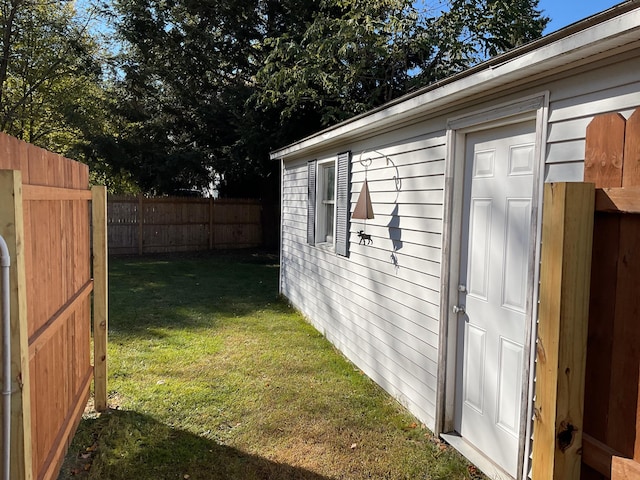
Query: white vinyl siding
[{"x": 380, "y": 311}]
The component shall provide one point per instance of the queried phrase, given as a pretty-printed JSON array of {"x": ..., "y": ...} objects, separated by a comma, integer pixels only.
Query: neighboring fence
[
  {"x": 138, "y": 225},
  {"x": 44, "y": 216},
  {"x": 589, "y": 332}
]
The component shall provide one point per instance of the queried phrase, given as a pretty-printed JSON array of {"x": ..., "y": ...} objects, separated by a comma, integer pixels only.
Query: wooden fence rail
[
  {"x": 138, "y": 225},
  {"x": 44, "y": 217}
]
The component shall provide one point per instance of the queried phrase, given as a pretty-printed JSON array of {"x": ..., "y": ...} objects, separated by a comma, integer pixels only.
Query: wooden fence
[
  {"x": 587, "y": 414},
  {"x": 612, "y": 420},
  {"x": 44, "y": 217},
  {"x": 138, "y": 225}
]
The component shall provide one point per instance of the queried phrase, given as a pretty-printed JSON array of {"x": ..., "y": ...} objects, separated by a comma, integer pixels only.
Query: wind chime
[{"x": 364, "y": 209}]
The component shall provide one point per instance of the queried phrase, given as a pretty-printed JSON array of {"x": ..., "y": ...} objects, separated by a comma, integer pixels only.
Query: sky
[
  {"x": 561, "y": 12},
  {"x": 565, "y": 12}
]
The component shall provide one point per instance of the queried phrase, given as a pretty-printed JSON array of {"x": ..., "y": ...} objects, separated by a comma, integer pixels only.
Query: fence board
[
  {"x": 175, "y": 224},
  {"x": 57, "y": 284},
  {"x": 628, "y": 301},
  {"x": 613, "y": 361},
  {"x": 625, "y": 359},
  {"x": 603, "y": 166}
]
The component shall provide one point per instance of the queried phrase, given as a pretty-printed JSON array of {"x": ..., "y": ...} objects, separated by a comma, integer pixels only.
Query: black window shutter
[
  {"x": 311, "y": 202},
  {"x": 342, "y": 203}
]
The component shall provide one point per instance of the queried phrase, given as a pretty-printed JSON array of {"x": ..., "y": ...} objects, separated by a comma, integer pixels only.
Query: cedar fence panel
[
  {"x": 51, "y": 315},
  {"x": 611, "y": 416},
  {"x": 138, "y": 225}
]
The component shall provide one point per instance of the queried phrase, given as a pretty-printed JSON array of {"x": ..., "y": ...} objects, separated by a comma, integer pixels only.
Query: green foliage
[
  {"x": 34, "y": 50},
  {"x": 212, "y": 86},
  {"x": 353, "y": 55},
  {"x": 473, "y": 30},
  {"x": 187, "y": 71},
  {"x": 356, "y": 55},
  {"x": 52, "y": 89}
]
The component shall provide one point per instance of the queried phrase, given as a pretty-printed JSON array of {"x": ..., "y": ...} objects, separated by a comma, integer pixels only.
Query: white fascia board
[{"x": 592, "y": 40}]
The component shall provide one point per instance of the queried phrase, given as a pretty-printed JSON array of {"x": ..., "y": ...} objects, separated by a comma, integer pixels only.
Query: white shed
[{"x": 439, "y": 307}]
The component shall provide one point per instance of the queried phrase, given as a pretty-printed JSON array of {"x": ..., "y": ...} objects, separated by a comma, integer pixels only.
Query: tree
[
  {"x": 187, "y": 70},
  {"x": 471, "y": 31},
  {"x": 214, "y": 85},
  {"x": 353, "y": 54},
  {"x": 48, "y": 72},
  {"x": 358, "y": 54},
  {"x": 52, "y": 89}
]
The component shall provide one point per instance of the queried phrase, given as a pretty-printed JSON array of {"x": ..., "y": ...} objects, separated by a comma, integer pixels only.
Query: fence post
[
  {"x": 210, "y": 223},
  {"x": 212, "y": 220},
  {"x": 567, "y": 235},
  {"x": 100, "y": 295},
  {"x": 12, "y": 229},
  {"x": 140, "y": 221}
]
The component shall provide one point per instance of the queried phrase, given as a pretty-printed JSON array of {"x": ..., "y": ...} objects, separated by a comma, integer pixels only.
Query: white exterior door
[{"x": 494, "y": 290}]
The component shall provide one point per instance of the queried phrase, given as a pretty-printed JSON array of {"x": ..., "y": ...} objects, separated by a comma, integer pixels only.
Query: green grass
[{"x": 211, "y": 376}]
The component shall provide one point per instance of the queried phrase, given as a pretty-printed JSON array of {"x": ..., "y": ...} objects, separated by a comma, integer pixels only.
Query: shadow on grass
[
  {"x": 124, "y": 445},
  {"x": 190, "y": 291}
]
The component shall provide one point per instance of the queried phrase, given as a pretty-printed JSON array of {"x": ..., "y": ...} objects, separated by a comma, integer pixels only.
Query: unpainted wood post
[
  {"x": 567, "y": 236},
  {"x": 100, "y": 296},
  {"x": 12, "y": 230}
]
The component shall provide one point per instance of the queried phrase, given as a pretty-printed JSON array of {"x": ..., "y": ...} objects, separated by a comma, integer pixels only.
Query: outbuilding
[{"x": 434, "y": 293}]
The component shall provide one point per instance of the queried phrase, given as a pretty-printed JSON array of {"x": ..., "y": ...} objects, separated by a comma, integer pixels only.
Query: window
[{"x": 328, "y": 203}]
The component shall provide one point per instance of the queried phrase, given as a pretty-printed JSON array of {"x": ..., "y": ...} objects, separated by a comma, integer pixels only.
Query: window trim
[{"x": 321, "y": 227}]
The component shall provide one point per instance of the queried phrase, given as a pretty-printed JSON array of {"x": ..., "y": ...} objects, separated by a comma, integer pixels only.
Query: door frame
[{"x": 534, "y": 107}]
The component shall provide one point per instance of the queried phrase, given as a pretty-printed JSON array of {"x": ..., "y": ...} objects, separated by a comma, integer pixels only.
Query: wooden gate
[
  {"x": 611, "y": 411},
  {"x": 45, "y": 219}
]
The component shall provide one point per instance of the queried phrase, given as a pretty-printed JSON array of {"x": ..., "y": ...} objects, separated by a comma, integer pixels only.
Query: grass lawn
[{"x": 211, "y": 376}]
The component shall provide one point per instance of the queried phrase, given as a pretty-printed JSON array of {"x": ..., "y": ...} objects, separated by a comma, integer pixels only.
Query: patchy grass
[{"x": 212, "y": 377}]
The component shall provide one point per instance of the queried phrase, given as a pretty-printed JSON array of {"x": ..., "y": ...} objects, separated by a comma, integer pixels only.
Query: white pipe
[{"x": 5, "y": 263}]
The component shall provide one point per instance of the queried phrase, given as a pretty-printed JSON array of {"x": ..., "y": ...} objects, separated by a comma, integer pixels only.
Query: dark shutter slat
[
  {"x": 342, "y": 204},
  {"x": 311, "y": 202}
]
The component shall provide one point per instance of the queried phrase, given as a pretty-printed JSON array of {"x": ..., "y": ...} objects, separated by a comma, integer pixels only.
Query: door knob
[{"x": 458, "y": 309}]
